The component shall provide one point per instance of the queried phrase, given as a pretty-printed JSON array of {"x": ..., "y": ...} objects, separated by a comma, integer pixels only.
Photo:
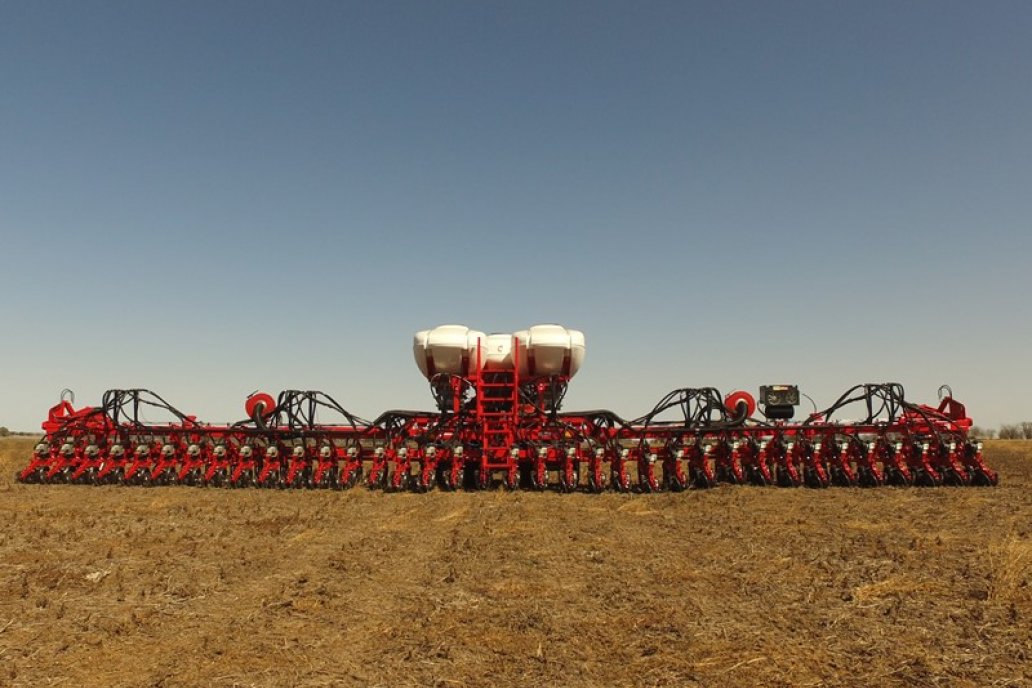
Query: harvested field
[{"x": 735, "y": 586}]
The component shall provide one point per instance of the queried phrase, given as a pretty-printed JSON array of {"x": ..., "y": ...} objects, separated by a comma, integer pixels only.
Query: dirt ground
[{"x": 736, "y": 586}]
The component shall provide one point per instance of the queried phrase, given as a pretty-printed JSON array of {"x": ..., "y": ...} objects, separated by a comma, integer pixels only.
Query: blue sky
[{"x": 208, "y": 198}]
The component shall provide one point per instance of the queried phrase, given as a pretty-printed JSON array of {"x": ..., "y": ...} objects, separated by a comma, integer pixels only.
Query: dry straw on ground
[{"x": 730, "y": 587}]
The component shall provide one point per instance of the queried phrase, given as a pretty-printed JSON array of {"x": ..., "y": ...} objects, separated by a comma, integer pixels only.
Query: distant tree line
[
  {"x": 1013, "y": 431},
  {"x": 5, "y": 432}
]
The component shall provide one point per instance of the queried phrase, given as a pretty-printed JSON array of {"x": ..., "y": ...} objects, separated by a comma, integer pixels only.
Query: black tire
[
  {"x": 672, "y": 482},
  {"x": 754, "y": 476},
  {"x": 700, "y": 480}
]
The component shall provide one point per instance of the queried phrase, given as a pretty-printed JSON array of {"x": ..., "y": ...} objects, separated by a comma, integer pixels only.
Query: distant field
[{"x": 736, "y": 586}]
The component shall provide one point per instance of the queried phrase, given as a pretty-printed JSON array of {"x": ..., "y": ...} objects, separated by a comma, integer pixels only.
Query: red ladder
[{"x": 497, "y": 409}]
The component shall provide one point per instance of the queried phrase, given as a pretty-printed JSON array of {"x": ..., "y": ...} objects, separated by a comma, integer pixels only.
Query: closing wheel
[
  {"x": 867, "y": 478},
  {"x": 955, "y": 477},
  {"x": 726, "y": 475},
  {"x": 700, "y": 480},
  {"x": 442, "y": 477},
  {"x": 449, "y": 477},
  {"x": 647, "y": 481},
  {"x": 981, "y": 478},
  {"x": 245, "y": 479},
  {"x": 673, "y": 479},
  {"x": 569, "y": 477},
  {"x": 377, "y": 478},
  {"x": 787, "y": 476},
  {"x": 761, "y": 468},
  {"x": 512, "y": 478},
  {"x": 756, "y": 476},
  {"x": 619, "y": 477},
  {"x": 926, "y": 477},
  {"x": 539, "y": 476},
  {"x": 894, "y": 476},
  {"x": 426, "y": 480},
  {"x": 674, "y": 483},
  {"x": 596, "y": 479},
  {"x": 815, "y": 478},
  {"x": 402, "y": 482},
  {"x": 728, "y": 467},
  {"x": 840, "y": 478}
]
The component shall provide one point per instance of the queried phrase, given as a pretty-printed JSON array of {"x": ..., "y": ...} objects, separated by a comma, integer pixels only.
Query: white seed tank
[
  {"x": 449, "y": 349},
  {"x": 547, "y": 350},
  {"x": 544, "y": 350},
  {"x": 499, "y": 352}
]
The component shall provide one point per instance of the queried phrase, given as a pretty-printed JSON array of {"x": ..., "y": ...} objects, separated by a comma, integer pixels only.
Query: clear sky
[{"x": 208, "y": 198}]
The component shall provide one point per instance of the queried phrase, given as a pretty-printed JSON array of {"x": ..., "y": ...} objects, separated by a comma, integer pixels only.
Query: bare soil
[{"x": 736, "y": 586}]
